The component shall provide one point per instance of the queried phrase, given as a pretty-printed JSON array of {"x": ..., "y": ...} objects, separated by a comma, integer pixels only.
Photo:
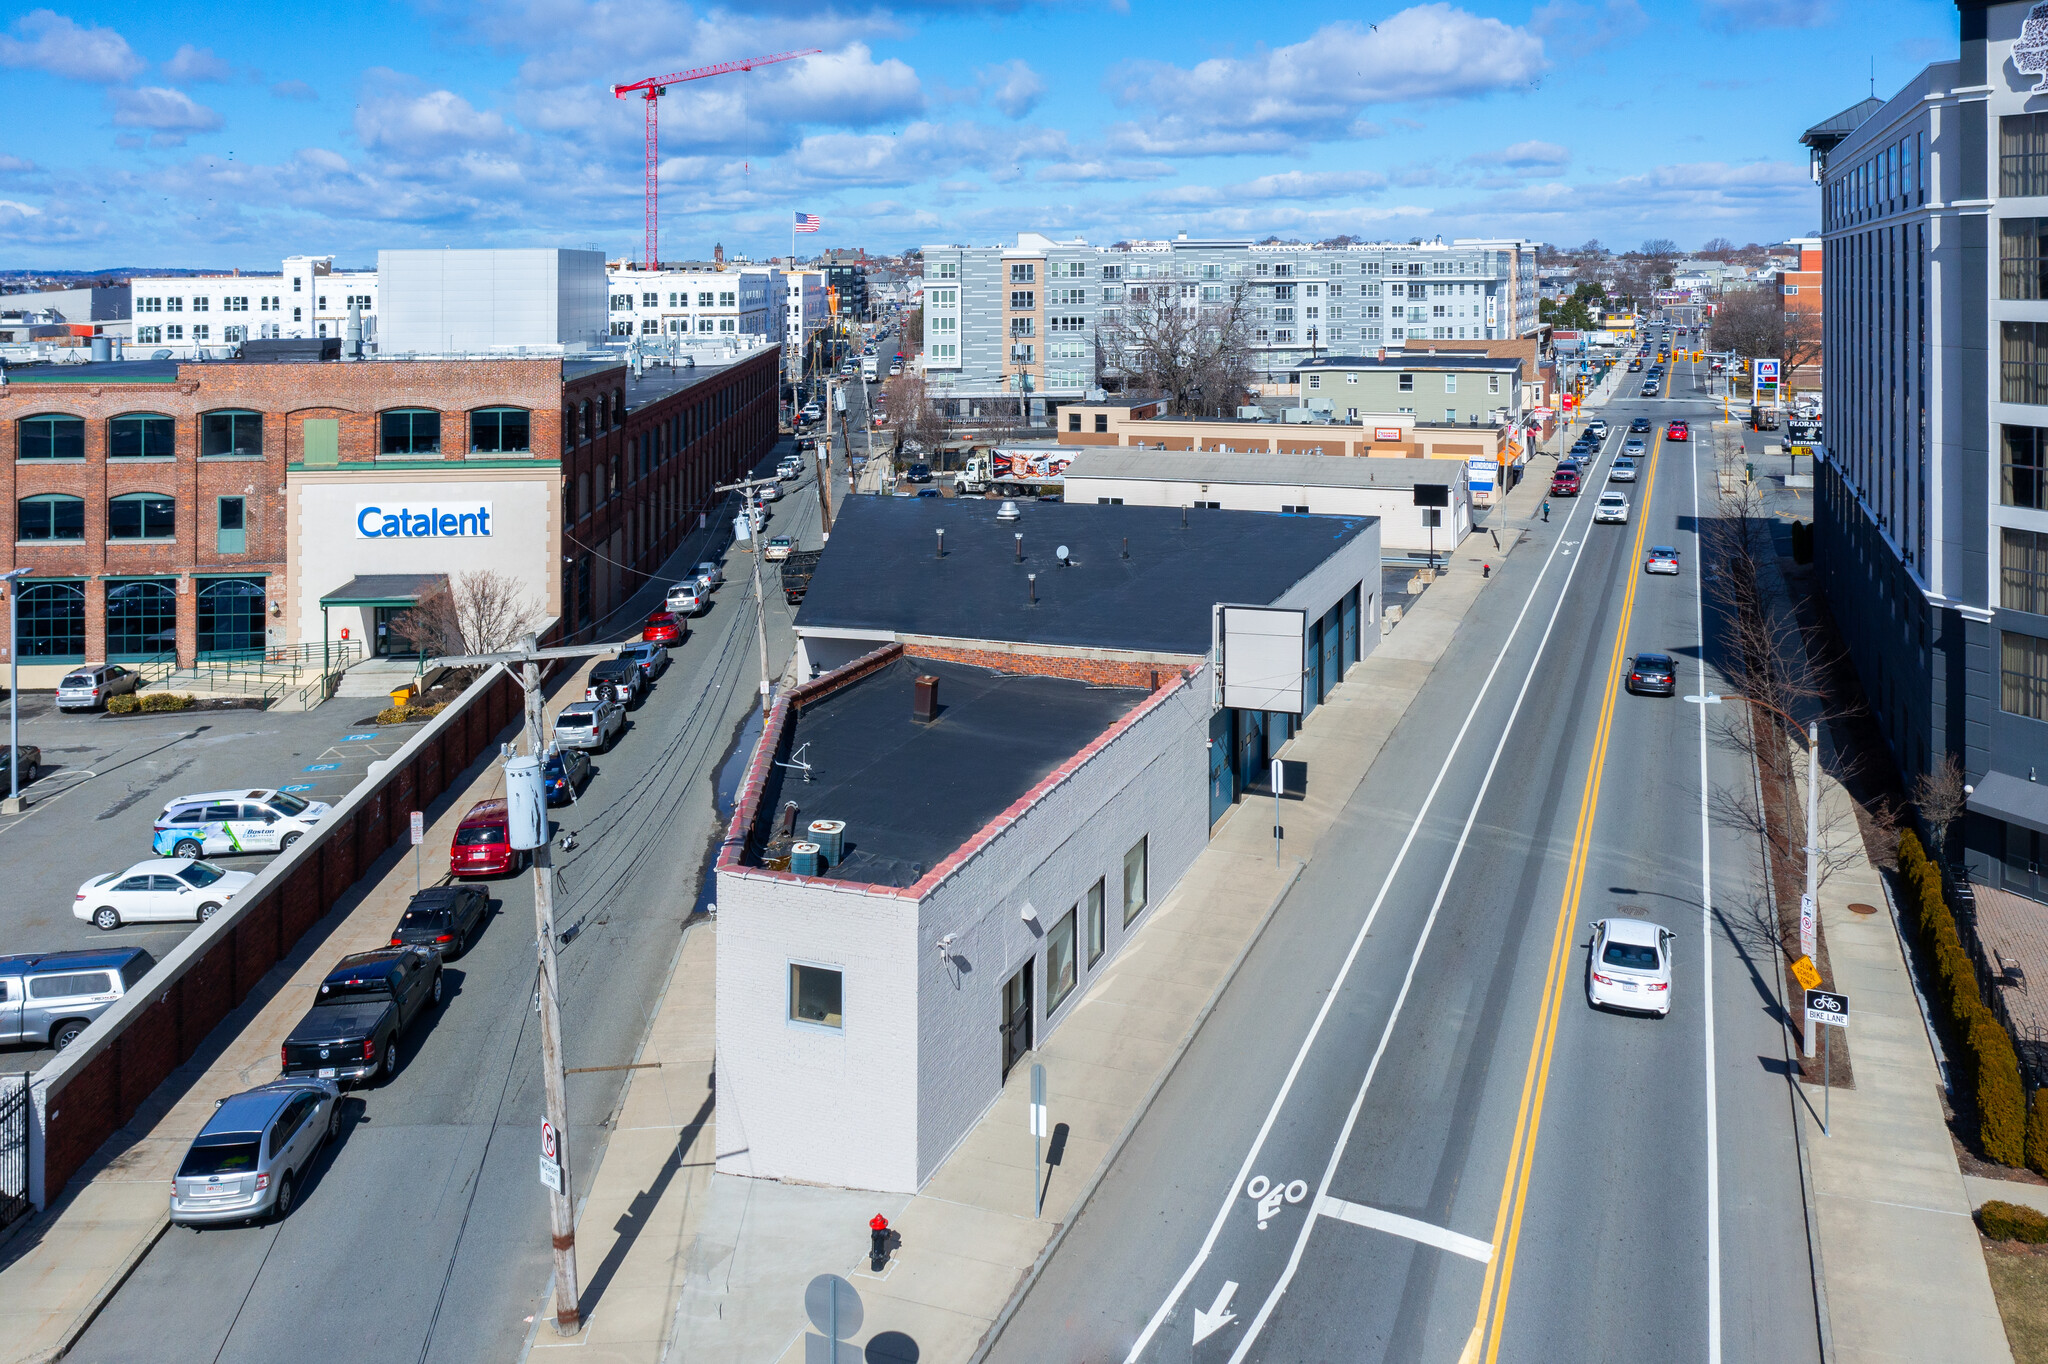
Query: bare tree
[
  {"x": 1718, "y": 248},
  {"x": 1749, "y": 323},
  {"x": 907, "y": 407},
  {"x": 1941, "y": 799},
  {"x": 482, "y": 611},
  {"x": 1166, "y": 344},
  {"x": 913, "y": 330},
  {"x": 1801, "y": 342}
]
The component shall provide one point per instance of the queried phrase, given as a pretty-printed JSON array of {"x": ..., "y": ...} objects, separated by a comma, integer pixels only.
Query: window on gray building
[
  {"x": 2023, "y": 666},
  {"x": 814, "y": 995},
  {"x": 2024, "y": 466},
  {"x": 1135, "y": 881},
  {"x": 2023, "y": 154},
  {"x": 1060, "y": 973},
  {"x": 1096, "y": 936},
  {"x": 2023, "y": 362},
  {"x": 2023, "y": 571},
  {"x": 2022, "y": 258}
]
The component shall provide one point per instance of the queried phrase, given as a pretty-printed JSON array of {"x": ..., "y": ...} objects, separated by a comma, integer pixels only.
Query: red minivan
[{"x": 483, "y": 842}]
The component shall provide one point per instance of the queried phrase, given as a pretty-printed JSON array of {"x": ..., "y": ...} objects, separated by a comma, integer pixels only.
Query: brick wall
[
  {"x": 87, "y": 1093},
  {"x": 1110, "y": 672}
]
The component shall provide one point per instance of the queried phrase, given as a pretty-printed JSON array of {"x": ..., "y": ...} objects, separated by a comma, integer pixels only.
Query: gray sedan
[{"x": 250, "y": 1158}]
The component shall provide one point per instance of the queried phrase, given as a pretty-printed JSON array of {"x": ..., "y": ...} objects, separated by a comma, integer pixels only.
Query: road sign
[
  {"x": 1806, "y": 973},
  {"x": 551, "y": 1173},
  {"x": 419, "y": 828},
  {"x": 835, "y": 1310},
  {"x": 1808, "y": 933},
  {"x": 547, "y": 1140},
  {"x": 1825, "y": 1007}
]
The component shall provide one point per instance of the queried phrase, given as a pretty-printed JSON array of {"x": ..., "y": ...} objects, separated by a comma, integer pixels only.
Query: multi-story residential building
[
  {"x": 803, "y": 310},
  {"x": 1931, "y": 516},
  {"x": 1025, "y": 321},
  {"x": 848, "y": 281},
  {"x": 699, "y": 304},
  {"x": 194, "y": 316}
]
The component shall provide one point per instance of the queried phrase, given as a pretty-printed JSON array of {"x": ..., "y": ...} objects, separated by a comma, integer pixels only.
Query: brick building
[
  {"x": 1801, "y": 301},
  {"x": 183, "y": 512}
]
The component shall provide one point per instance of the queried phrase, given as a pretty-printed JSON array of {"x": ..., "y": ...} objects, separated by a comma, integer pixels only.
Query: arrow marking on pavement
[{"x": 1218, "y": 1316}]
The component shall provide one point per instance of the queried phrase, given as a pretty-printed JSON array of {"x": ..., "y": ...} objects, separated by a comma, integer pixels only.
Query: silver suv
[
  {"x": 89, "y": 687},
  {"x": 49, "y": 998},
  {"x": 590, "y": 724},
  {"x": 248, "y": 1161}
]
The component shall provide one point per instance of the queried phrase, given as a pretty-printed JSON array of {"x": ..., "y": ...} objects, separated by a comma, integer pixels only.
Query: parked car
[
  {"x": 444, "y": 919},
  {"x": 1597, "y": 428},
  {"x": 483, "y": 843},
  {"x": 1678, "y": 431},
  {"x": 48, "y": 998},
  {"x": 790, "y": 468},
  {"x": 1612, "y": 508},
  {"x": 1652, "y": 675},
  {"x": 158, "y": 892},
  {"x": 246, "y": 1163},
  {"x": 708, "y": 575},
  {"x": 686, "y": 599},
  {"x": 1623, "y": 470},
  {"x": 564, "y": 772},
  {"x": 918, "y": 473},
  {"x": 650, "y": 658},
  {"x": 363, "y": 1006},
  {"x": 769, "y": 492},
  {"x": 813, "y": 412},
  {"x": 28, "y": 760},
  {"x": 614, "y": 678},
  {"x": 1661, "y": 559},
  {"x": 89, "y": 687},
  {"x": 663, "y": 627},
  {"x": 777, "y": 549},
  {"x": 1569, "y": 465},
  {"x": 210, "y": 823},
  {"x": 1564, "y": 483},
  {"x": 591, "y": 725},
  {"x": 1628, "y": 966}
]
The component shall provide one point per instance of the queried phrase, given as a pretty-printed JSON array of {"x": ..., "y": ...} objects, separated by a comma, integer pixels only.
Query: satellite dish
[{"x": 1061, "y": 553}]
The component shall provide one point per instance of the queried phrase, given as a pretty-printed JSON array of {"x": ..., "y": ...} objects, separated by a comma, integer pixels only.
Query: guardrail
[{"x": 84, "y": 1095}]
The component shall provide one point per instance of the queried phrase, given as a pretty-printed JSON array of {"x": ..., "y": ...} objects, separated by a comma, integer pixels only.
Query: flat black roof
[
  {"x": 1412, "y": 359},
  {"x": 881, "y": 572},
  {"x": 911, "y": 793}
]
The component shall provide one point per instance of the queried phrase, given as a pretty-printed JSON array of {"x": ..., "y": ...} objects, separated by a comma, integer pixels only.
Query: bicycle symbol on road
[{"x": 1269, "y": 1196}]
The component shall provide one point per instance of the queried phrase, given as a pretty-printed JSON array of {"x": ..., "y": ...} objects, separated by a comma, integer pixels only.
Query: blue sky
[{"x": 232, "y": 135}]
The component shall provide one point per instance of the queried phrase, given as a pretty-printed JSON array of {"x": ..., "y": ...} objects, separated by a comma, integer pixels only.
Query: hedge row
[
  {"x": 129, "y": 702},
  {"x": 2009, "y": 1133},
  {"x": 2003, "y": 1221}
]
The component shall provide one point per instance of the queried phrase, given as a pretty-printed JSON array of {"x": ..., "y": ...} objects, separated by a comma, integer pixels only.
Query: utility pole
[
  {"x": 555, "y": 1084},
  {"x": 825, "y": 471},
  {"x": 745, "y": 489},
  {"x": 12, "y": 582}
]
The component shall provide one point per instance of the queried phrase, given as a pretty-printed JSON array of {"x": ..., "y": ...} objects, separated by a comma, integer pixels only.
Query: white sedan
[
  {"x": 158, "y": 890},
  {"x": 1612, "y": 507},
  {"x": 1661, "y": 559},
  {"x": 1628, "y": 966}
]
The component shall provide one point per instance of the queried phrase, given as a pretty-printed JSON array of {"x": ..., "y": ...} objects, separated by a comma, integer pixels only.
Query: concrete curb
[
  {"x": 1116, "y": 1147},
  {"x": 84, "y": 1320}
]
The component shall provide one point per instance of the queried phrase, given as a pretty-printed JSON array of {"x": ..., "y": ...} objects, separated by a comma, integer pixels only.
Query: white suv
[
  {"x": 1612, "y": 508},
  {"x": 685, "y": 599},
  {"x": 90, "y": 686}
]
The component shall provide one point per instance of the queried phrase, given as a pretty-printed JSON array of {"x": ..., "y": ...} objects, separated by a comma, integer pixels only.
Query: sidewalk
[
  {"x": 686, "y": 1264},
  {"x": 1904, "y": 1273}
]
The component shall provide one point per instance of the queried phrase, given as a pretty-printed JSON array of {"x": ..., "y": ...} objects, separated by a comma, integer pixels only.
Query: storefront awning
[
  {"x": 2012, "y": 799},
  {"x": 385, "y": 589}
]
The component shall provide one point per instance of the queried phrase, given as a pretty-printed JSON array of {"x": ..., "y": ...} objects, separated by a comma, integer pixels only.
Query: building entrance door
[
  {"x": 1016, "y": 1017},
  {"x": 2024, "y": 855}
]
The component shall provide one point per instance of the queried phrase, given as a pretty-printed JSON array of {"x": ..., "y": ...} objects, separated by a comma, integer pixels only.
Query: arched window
[
  {"x": 586, "y": 430},
  {"x": 142, "y": 516},
  {"x": 619, "y": 407},
  {"x": 231, "y": 432},
  {"x": 51, "y": 516},
  {"x": 142, "y": 620},
  {"x": 410, "y": 431},
  {"x": 50, "y": 435},
  {"x": 52, "y": 621},
  {"x": 142, "y": 435},
  {"x": 231, "y": 617},
  {"x": 500, "y": 430}
]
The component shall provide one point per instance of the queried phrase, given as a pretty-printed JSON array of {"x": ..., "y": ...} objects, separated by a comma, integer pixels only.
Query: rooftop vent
[
  {"x": 924, "y": 705},
  {"x": 1008, "y": 512}
]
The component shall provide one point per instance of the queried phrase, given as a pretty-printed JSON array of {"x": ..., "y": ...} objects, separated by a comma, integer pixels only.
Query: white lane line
[
  {"x": 1344, "y": 971},
  {"x": 1430, "y": 1234},
  {"x": 1258, "y": 1323},
  {"x": 1707, "y": 952}
]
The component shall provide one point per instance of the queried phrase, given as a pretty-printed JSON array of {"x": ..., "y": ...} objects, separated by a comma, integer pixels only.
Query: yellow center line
[{"x": 1507, "y": 1226}]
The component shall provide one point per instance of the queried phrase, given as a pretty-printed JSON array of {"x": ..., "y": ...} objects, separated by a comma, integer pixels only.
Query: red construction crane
[{"x": 652, "y": 89}]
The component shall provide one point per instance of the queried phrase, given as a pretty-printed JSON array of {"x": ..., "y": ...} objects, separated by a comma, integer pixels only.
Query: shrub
[
  {"x": 163, "y": 700},
  {"x": 405, "y": 715},
  {"x": 127, "y": 703},
  {"x": 2001, "y": 1097},
  {"x": 2013, "y": 1222},
  {"x": 2037, "y": 1133}
]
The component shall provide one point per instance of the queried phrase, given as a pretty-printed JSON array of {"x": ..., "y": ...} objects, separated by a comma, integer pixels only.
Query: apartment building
[
  {"x": 1800, "y": 301},
  {"x": 803, "y": 312},
  {"x": 1023, "y": 321},
  {"x": 698, "y": 304},
  {"x": 1931, "y": 516},
  {"x": 207, "y": 316}
]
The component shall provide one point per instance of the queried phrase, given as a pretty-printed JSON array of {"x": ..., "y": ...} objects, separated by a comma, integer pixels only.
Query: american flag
[{"x": 807, "y": 222}]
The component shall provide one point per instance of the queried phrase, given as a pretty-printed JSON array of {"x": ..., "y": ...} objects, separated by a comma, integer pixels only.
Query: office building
[
  {"x": 202, "y": 316},
  {"x": 702, "y": 305}
]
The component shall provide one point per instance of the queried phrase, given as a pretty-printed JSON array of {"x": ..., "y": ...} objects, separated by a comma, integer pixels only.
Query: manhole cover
[{"x": 1863, "y": 909}]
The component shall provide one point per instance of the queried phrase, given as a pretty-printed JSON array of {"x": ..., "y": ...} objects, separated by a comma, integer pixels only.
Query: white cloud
[
  {"x": 192, "y": 64},
  {"x": 848, "y": 88},
  {"x": 1315, "y": 90},
  {"x": 1524, "y": 156},
  {"x": 1079, "y": 172},
  {"x": 164, "y": 111},
  {"x": 48, "y": 41},
  {"x": 1268, "y": 189},
  {"x": 403, "y": 122},
  {"x": 14, "y": 165},
  {"x": 1741, "y": 16},
  {"x": 1013, "y": 87}
]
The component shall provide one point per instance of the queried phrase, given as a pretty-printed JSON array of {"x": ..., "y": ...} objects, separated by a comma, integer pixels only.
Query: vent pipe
[
  {"x": 924, "y": 700},
  {"x": 1032, "y": 579},
  {"x": 1020, "y": 546},
  {"x": 942, "y": 544}
]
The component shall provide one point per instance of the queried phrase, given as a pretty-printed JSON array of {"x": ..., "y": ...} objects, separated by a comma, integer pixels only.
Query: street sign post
[
  {"x": 419, "y": 836},
  {"x": 1279, "y": 780},
  {"x": 1038, "y": 1131},
  {"x": 835, "y": 1310},
  {"x": 1829, "y": 1010}
]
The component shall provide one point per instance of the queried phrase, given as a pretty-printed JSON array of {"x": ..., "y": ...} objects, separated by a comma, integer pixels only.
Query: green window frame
[
  {"x": 142, "y": 620},
  {"x": 50, "y": 618},
  {"x": 50, "y": 435},
  {"x": 409, "y": 431},
  {"x": 501, "y": 430},
  {"x": 142, "y": 516},
  {"x": 142, "y": 435},
  {"x": 50, "y": 517},
  {"x": 231, "y": 432},
  {"x": 231, "y": 517},
  {"x": 231, "y": 618}
]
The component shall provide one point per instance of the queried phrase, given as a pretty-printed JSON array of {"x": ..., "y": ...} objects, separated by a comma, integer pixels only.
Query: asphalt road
[
  {"x": 1562, "y": 1184},
  {"x": 422, "y": 1234}
]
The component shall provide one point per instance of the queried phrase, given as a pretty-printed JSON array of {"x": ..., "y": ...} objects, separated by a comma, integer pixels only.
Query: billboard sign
[
  {"x": 1259, "y": 656},
  {"x": 1766, "y": 371}
]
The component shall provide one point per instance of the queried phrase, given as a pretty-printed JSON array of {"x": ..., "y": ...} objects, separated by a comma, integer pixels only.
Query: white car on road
[
  {"x": 1623, "y": 470},
  {"x": 1611, "y": 508},
  {"x": 157, "y": 891},
  {"x": 1628, "y": 966},
  {"x": 707, "y": 574},
  {"x": 1661, "y": 559}
]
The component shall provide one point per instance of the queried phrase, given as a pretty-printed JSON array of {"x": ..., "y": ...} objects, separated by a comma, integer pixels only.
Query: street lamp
[{"x": 13, "y": 806}]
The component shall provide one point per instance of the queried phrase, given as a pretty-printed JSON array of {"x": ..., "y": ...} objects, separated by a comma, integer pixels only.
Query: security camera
[{"x": 945, "y": 945}]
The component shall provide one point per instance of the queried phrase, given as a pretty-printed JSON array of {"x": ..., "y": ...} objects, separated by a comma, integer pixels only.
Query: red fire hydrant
[{"x": 878, "y": 1249}]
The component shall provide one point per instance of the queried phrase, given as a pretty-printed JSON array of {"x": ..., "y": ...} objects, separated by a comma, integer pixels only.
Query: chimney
[{"x": 924, "y": 704}]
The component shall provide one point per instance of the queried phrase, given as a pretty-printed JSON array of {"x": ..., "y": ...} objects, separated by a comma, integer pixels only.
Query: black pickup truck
[
  {"x": 796, "y": 573},
  {"x": 351, "y": 1033}
]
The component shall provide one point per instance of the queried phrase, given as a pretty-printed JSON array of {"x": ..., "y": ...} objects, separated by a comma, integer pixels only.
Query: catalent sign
[{"x": 382, "y": 522}]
